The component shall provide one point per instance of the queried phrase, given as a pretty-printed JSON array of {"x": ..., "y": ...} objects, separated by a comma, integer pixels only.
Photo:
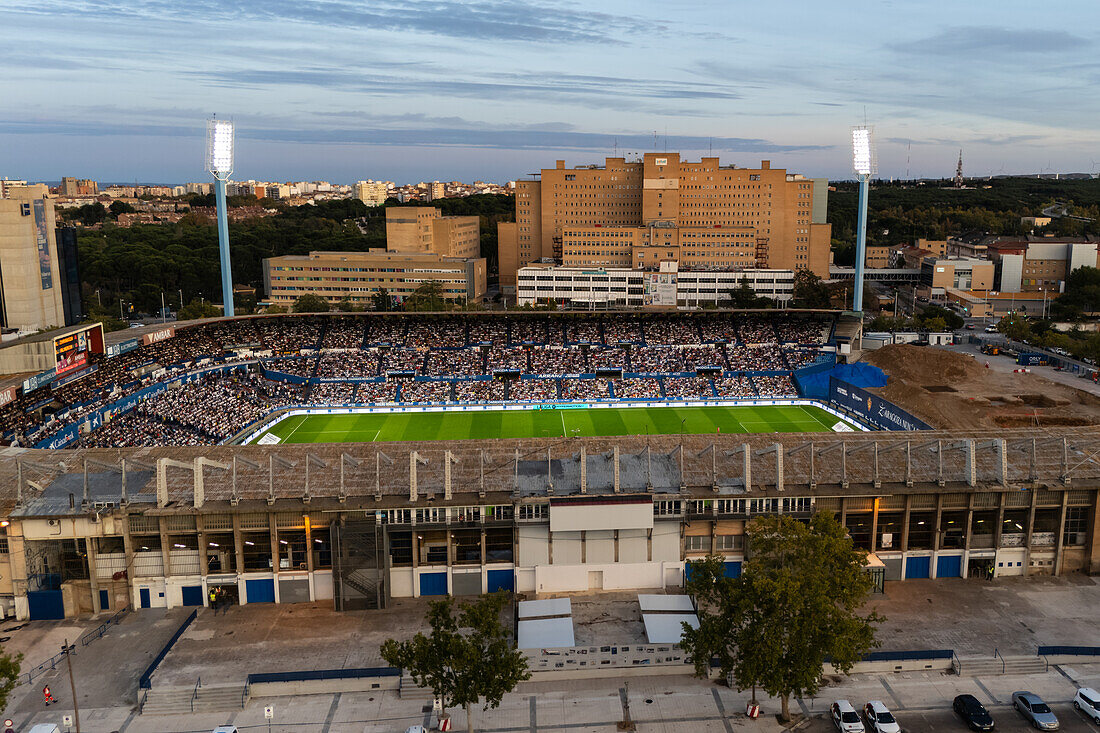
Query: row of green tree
[
  {"x": 137, "y": 264},
  {"x": 899, "y": 212},
  {"x": 796, "y": 607}
]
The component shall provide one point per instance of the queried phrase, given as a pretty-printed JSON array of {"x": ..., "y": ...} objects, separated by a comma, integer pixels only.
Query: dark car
[{"x": 973, "y": 713}]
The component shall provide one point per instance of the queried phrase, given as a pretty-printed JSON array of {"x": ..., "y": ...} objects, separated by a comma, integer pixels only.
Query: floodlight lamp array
[
  {"x": 219, "y": 148},
  {"x": 863, "y": 159}
]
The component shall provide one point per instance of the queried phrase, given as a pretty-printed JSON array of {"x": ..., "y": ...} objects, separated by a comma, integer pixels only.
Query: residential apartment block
[
  {"x": 702, "y": 215},
  {"x": 372, "y": 193},
  {"x": 425, "y": 229}
]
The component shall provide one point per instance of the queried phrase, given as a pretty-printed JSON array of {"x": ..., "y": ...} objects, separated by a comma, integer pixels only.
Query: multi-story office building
[
  {"x": 424, "y": 229},
  {"x": 639, "y": 214},
  {"x": 31, "y": 279},
  {"x": 372, "y": 193},
  {"x": 359, "y": 275}
]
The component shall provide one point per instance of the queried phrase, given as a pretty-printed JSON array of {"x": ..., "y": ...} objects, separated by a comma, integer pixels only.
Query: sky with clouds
[{"x": 409, "y": 90}]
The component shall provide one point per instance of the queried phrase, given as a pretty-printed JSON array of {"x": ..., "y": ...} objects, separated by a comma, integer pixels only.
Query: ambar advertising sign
[
  {"x": 872, "y": 409},
  {"x": 161, "y": 335}
]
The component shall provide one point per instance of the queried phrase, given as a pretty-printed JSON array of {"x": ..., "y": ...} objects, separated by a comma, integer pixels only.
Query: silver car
[{"x": 1034, "y": 710}]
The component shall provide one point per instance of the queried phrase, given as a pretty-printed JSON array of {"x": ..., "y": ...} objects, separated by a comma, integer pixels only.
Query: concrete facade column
[
  {"x": 1059, "y": 544},
  {"x": 128, "y": 550},
  {"x": 309, "y": 546},
  {"x": 999, "y": 525},
  {"x": 904, "y": 546},
  {"x": 238, "y": 544},
  {"x": 874, "y": 524},
  {"x": 937, "y": 539},
  {"x": 273, "y": 533},
  {"x": 165, "y": 545},
  {"x": 90, "y": 544},
  {"x": 200, "y": 537},
  {"x": 1092, "y": 556}
]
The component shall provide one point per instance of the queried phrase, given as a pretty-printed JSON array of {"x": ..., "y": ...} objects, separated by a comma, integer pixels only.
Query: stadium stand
[{"x": 336, "y": 360}]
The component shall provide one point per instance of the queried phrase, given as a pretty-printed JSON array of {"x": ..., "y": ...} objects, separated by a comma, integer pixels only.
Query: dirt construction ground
[{"x": 953, "y": 390}]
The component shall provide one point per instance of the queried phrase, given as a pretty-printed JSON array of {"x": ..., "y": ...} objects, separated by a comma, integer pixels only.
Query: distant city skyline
[{"x": 418, "y": 90}]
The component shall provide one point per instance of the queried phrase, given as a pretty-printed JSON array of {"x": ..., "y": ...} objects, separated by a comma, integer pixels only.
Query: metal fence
[{"x": 144, "y": 682}]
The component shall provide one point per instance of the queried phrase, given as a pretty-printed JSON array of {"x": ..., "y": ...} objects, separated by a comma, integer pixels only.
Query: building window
[
  {"x": 401, "y": 553},
  {"x": 1077, "y": 523},
  {"x": 697, "y": 543},
  {"x": 729, "y": 542}
]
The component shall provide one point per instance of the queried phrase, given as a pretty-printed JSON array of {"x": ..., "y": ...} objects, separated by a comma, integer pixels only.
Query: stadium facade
[{"x": 159, "y": 523}]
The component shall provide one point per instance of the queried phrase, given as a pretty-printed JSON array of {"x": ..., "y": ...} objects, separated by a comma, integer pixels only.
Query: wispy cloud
[{"x": 971, "y": 40}]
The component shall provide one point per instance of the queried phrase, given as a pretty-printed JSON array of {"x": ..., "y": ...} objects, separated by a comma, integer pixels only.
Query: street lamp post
[
  {"x": 863, "y": 162},
  {"x": 219, "y": 161}
]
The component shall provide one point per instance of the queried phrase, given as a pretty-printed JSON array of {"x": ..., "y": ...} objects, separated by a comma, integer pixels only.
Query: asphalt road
[{"x": 944, "y": 719}]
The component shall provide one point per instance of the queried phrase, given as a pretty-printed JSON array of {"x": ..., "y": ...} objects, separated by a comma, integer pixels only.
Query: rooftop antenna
[
  {"x": 655, "y": 141},
  {"x": 616, "y": 155},
  {"x": 959, "y": 171},
  {"x": 710, "y": 150},
  {"x": 666, "y": 138},
  {"x": 908, "y": 157}
]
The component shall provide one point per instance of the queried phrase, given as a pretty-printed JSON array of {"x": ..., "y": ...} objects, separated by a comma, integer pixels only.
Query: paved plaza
[{"x": 972, "y": 617}]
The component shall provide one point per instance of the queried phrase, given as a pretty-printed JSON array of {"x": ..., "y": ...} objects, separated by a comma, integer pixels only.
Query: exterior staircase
[
  {"x": 984, "y": 666},
  {"x": 208, "y": 699},
  {"x": 410, "y": 691}
]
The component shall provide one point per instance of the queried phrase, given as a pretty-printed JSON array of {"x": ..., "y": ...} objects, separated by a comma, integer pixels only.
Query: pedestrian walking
[
  {"x": 214, "y": 600},
  {"x": 48, "y": 695}
]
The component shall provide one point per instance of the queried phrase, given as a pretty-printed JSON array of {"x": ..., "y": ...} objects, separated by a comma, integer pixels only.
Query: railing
[
  {"x": 996, "y": 654},
  {"x": 322, "y": 674},
  {"x": 956, "y": 663},
  {"x": 144, "y": 681},
  {"x": 1073, "y": 651},
  {"x": 51, "y": 664},
  {"x": 906, "y": 655},
  {"x": 195, "y": 693},
  {"x": 102, "y": 628},
  {"x": 142, "y": 696}
]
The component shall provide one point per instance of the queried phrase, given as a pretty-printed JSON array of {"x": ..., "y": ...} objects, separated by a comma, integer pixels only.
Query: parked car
[
  {"x": 1034, "y": 710},
  {"x": 1087, "y": 701},
  {"x": 879, "y": 719},
  {"x": 846, "y": 718},
  {"x": 973, "y": 713}
]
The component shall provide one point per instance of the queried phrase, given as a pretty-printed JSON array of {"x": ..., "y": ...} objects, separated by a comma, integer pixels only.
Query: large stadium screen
[{"x": 71, "y": 350}]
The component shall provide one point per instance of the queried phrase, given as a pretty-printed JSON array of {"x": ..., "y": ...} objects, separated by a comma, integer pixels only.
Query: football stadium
[{"x": 355, "y": 458}]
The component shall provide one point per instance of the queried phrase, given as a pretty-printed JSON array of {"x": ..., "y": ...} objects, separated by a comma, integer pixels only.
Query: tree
[
  {"x": 743, "y": 296},
  {"x": 198, "y": 309},
  {"x": 120, "y": 207},
  {"x": 1082, "y": 295},
  {"x": 310, "y": 303},
  {"x": 795, "y": 606},
  {"x": 275, "y": 309},
  {"x": 427, "y": 297},
  {"x": 465, "y": 658},
  {"x": 9, "y": 675},
  {"x": 809, "y": 291},
  {"x": 381, "y": 300},
  {"x": 950, "y": 318},
  {"x": 345, "y": 305},
  {"x": 1015, "y": 327}
]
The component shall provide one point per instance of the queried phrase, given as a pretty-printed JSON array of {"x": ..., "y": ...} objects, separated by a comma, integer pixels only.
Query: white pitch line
[
  {"x": 562, "y": 416},
  {"x": 300, "y": 423},
  {"x": 376, "y": 432}
]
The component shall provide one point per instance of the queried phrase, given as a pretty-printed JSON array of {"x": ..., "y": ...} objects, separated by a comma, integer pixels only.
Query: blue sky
[{"x": 442, "y": 89}]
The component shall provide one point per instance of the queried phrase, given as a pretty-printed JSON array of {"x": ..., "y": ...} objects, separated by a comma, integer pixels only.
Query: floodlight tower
[
  {"x": 219, "y": 161},
  {"x": 863, "y": 161}
]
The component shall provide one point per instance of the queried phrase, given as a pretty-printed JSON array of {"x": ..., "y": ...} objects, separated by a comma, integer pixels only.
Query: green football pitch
[{"x": 481, "y": 425}]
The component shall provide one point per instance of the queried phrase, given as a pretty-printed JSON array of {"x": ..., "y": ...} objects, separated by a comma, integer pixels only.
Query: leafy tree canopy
[
  {"x": 466, "y": 657},
  {"x": 796, "y": 605},
  {"x": 310, "y": 303}
]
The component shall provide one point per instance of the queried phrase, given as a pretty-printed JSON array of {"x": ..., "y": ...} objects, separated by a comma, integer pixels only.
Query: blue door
[
  {"x": 732, "y": 569},
  {"x": 192, "y": 595},
  {"x": 433, "y": 584},
  {"x": 918, "y": 567},
  {"x": 104, "y": 600},
  {"x": 143, "y": 595},
  {"x": 45, "y": 605},
  {"x": 501, "y": 580},
  {"x": 949, "y": 566},
  {"x": 260, "y": 591}
]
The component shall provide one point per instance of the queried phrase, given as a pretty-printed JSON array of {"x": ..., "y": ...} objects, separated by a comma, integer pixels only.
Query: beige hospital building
[
  {"x": 421, "y": 246},
  {"x": 702, "y": 215}
]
